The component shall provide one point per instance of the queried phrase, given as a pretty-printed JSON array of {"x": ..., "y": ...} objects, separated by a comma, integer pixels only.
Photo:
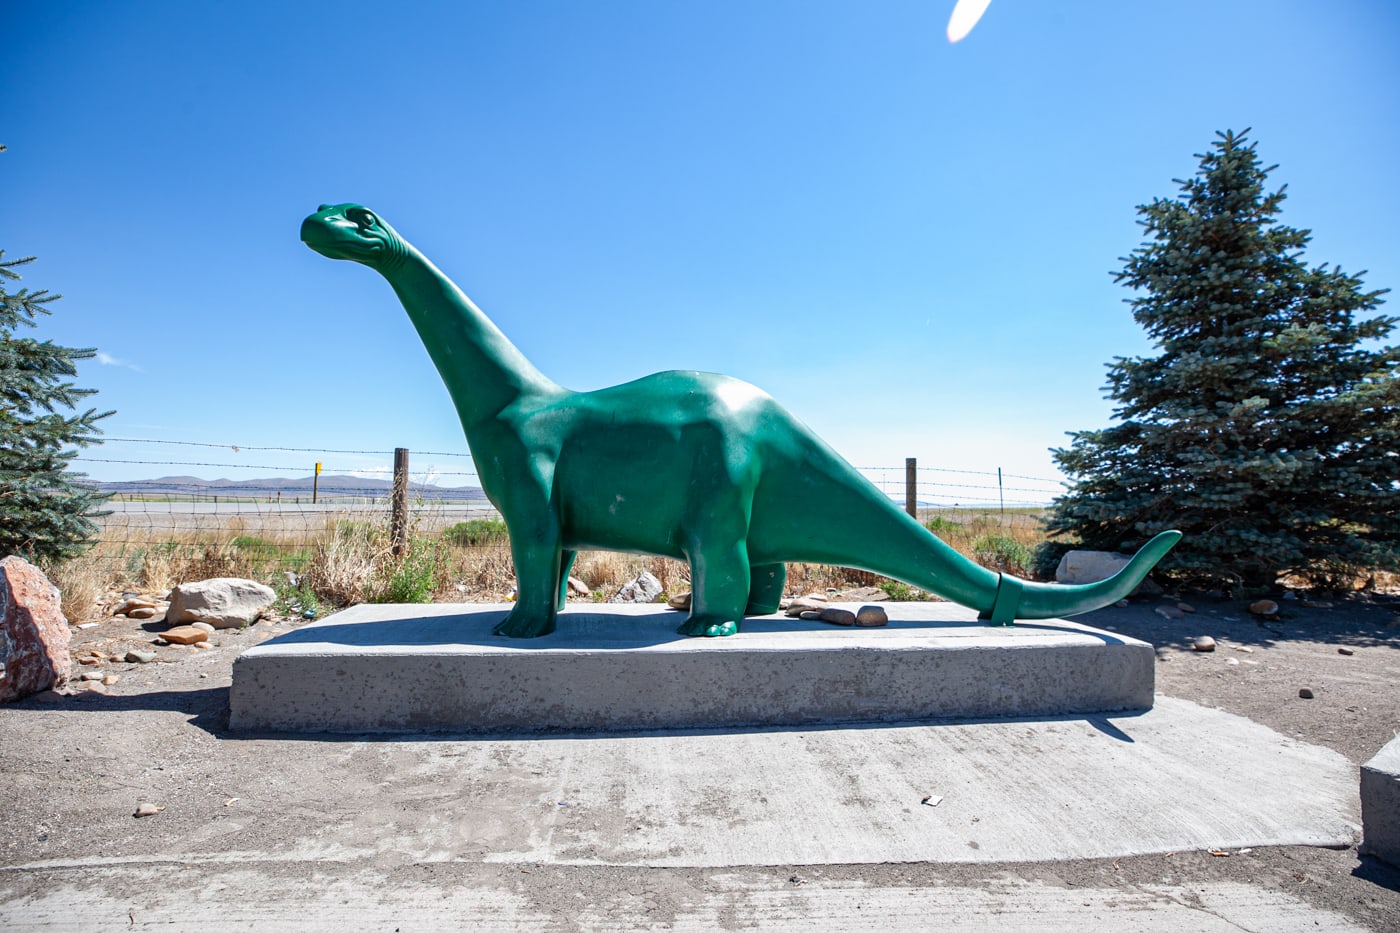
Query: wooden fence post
[
  {"x": 911, "y": 486},
  {"x": 398, "y": 518}
]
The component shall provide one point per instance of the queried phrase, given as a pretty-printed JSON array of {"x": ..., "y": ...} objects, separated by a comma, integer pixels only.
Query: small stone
[
  {"x": 1168, "y": 612},
  {"x": 1306, "y": 694},
  {"x": 90, "y": 675},
  {"x": 203, "y": 627},
  {"x": 1186, "y": 607},
  {"x": 1245, "y": 648},
  {"x": 872, "y": 616},
  {"x": 1204, "y": 643},
  {"x": 811, "y": 615},
  {"x": 1122, "y": 604},
  {"x": 1264, "y": 607},
  {"x": 681, "y": 602},
  {"x": 145, "y": 612},
  {"x": 110, "y": 679},
  {"x": 1290, "y": 595},
  {"x": 185, "y": 635},
  {"x": 88, "y": 624},
  {"x": 89, "y": 660},
  {"x": 203, "y": 646},
  {"x": 837, "y": 616},
  {"x": 92, "y": 686},
  {"x": 147, "y": 809},
  {"x": 578, "y": 587},
  {"x": 1232, "y": 662},
  {"x": 1346, "y": 651},
  {"x": 137, "y": 656},
  {"x": 811, "y": 602}
]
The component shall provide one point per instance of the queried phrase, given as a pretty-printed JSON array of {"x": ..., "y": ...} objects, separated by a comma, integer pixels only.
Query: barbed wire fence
[{"x": 283, "y": 502}]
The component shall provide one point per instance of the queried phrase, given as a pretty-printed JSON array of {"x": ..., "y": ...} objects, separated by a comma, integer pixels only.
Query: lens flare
[{"x": 965, "y": 16}]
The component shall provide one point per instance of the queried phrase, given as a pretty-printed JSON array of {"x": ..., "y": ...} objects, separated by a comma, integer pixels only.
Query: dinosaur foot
[
  {"x": 525, "y": 624},
  {"x": 711, "y": 626}
]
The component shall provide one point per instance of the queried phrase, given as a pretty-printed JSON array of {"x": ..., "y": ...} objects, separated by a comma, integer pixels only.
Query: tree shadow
[
  {"x": 1377, "y": 872},
  {"x": 1353, "y": 622}
]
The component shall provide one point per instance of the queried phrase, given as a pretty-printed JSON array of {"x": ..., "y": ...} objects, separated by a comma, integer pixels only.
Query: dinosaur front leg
[
  {"x": 535, "y": 549},
  {"x": 766, "y": 582}
]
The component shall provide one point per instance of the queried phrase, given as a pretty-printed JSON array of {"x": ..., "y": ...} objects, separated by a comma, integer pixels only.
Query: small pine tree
[
  {"x": 45, "y": 511},
  {"x": 1268, "y": 428}
]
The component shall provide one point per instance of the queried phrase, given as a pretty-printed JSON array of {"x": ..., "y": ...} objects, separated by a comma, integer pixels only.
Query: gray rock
[
  {"x": 1093, "y": 566},
  {"x": 810, "y": 615},
  {"x": 203, "y": 627},
  {"x": 872, "y": 616},
  {"x": 138, "y": 656},
  {"x": 837, "y": 616},
  {"x": 644, "y": 589},
  {"x": 864, "y": 594},
  {"x": 1204, "y": 643},
  {"x": 680, "y": 601},
  {"x": 224, "y": 602}
]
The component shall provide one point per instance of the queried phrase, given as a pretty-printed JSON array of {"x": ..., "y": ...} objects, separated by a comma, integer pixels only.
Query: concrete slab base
[
  {"x": 1380, "y": 803},
  {"x": 395, "y": 668}
]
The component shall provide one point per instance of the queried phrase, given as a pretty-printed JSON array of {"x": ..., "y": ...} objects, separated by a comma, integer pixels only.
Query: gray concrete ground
[{"x": 1034, "y": 827}]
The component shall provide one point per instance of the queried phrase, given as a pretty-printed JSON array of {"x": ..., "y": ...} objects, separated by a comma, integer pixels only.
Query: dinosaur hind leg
[
  {"x": 566, "y": 564},
  {"x": 720, "y": 580},
  {"x": 766, "y": 582}
]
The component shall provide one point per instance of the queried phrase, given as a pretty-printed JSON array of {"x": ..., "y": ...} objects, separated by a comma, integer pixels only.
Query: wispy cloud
[{"x": 107, "y": 359}]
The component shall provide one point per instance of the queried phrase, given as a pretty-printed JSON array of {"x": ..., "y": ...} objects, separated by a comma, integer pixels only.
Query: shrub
[
  {"x": 998, "y": 552},
  {"x": 477, "y": 532}
]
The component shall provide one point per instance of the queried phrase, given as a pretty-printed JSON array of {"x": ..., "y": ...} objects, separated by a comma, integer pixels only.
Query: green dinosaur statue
[{"x": 694, "y": 466}]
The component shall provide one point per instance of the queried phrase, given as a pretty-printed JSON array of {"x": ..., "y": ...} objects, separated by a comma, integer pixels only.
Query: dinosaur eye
[{"x": 361, "y": 217}]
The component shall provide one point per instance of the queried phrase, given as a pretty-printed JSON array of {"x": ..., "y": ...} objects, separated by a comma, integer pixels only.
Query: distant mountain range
[{"x": 338, "y": 486}]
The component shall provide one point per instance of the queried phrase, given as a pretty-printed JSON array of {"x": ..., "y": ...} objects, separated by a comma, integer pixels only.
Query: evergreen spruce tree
[
  {"x": 1268, "y": 427},
  {"x": 45, "y": 510}
]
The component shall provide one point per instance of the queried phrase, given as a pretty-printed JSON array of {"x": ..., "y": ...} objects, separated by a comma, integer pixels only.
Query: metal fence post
[
  {"x": 398, "y": 518},
  {"x": 911, "y": 486}
]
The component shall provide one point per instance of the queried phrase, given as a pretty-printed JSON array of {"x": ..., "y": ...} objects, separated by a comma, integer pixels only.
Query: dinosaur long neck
[{"x": 483, "y": 370}]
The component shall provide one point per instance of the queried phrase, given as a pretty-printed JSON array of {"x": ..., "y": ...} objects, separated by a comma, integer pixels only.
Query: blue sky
[{"x": 907, "y": 242}]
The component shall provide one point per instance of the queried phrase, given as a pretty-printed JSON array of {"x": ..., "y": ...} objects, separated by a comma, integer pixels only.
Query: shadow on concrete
[
  {"x": 1099, "y": 721},
  {"x": 596, "y": 631}
]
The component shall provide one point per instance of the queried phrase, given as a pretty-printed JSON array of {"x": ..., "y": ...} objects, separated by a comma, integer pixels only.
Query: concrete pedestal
[
  {"x": 396, "y": 668},
  {"x": 1380, "y": 803}
]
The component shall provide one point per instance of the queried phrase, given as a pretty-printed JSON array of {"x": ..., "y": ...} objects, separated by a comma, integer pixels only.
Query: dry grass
[
  {"x": 348, "y": 560},
  {"x": 82, "y": 583}
]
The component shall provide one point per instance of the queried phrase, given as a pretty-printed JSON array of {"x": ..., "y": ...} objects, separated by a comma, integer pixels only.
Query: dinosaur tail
[{"x": 1024, "y": 599}]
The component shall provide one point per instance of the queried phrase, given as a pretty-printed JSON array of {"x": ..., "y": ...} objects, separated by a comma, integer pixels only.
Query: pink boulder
[{"x": 33, "y": 632}]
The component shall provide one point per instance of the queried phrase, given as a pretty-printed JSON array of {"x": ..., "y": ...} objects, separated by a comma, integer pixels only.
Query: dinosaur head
[{"x": 349, "y": 231}]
